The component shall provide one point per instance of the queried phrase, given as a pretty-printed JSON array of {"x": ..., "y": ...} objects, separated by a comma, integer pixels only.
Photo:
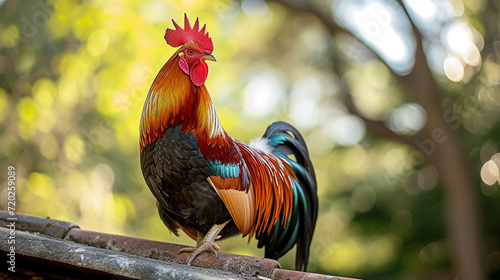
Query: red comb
[{"x": 181, "y": 36}]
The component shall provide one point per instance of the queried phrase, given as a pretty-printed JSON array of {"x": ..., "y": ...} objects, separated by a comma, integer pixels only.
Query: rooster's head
[{"x": 196, "y": 47}]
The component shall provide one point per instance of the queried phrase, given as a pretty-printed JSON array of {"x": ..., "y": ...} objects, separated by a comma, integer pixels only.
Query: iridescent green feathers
[{"x": 224, "y": 170}]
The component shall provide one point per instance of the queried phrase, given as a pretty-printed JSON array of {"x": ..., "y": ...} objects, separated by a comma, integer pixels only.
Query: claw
[
  {"x": 207, "y": 244},
  {"x": 204, "y": 247}
]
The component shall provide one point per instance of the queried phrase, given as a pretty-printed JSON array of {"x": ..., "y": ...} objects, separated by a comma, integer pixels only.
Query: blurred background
[{"x": 398, "y": 100}]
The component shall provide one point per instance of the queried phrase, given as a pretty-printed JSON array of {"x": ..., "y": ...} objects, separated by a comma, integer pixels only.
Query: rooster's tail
[{"x": 287, "y": 142}]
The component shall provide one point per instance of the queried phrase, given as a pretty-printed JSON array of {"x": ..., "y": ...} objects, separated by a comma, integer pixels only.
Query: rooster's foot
[{"x": 206, "y": 244}]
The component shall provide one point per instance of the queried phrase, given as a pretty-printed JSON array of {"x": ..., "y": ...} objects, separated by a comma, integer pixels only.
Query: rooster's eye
[{"x": 191, "y": 52}]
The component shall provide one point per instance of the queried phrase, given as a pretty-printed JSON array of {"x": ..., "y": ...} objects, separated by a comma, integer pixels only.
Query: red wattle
[{"x": 199, "y": 73}]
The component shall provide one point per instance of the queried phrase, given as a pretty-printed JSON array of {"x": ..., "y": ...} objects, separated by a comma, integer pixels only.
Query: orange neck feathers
[{"x": 173, "y": 100}]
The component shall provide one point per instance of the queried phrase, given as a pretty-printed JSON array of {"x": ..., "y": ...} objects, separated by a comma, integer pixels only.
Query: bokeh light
[
  {"x": 407, "y": 119},
  {"x": 490, "y": 171},
  {"x": 263, "y": 94},
  {"x": 374, "y": 23}
]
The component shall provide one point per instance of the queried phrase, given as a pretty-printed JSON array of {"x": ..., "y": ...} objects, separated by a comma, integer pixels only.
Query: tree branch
[
  {"x": 378, "y": 128},
  {"x": 301, "y": 6}
]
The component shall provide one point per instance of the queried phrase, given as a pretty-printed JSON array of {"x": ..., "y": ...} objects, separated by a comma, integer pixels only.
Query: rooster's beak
[{"x": 209, "y": 57}]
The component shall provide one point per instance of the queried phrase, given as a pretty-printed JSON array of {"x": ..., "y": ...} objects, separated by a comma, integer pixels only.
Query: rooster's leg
[{"x": 207, "y": 243}]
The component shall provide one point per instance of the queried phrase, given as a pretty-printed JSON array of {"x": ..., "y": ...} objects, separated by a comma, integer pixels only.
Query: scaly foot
[{"x": 207, "y": 244}]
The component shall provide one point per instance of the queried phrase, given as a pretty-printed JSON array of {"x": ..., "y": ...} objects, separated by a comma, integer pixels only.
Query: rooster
[{"x": 210, "y": 185}]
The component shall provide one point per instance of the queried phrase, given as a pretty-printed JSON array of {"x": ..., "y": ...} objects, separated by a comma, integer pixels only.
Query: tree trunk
[{"x": 461, "y": 209}]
